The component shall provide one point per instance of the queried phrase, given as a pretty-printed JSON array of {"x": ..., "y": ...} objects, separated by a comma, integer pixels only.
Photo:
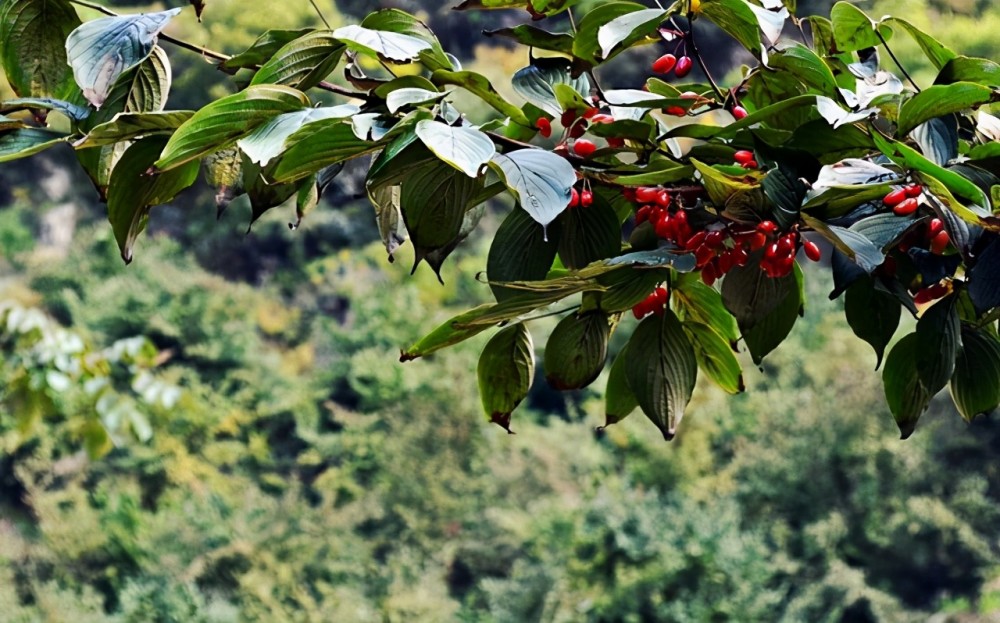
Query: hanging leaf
[
  {"x": 853, "y": 30},
  {"x": 873, "y": 315},
  {"x": 390, "y": 46},
  {"x": 935, "y": 51},
  {"x": 586, "y": 45},
  {"x": 480, "y": 86},
  {"x": 619, "y": 401},
  {"x": 540, "y": 180},
  {"x": 388, "y": 216},
  {"x": 128, "y": 126},
  {"x": 938, "y": 335},
  {"x": 32, "y": 50},
  {"x": 271, "y": 139},
  {"x": 589, "y": 234},
  {"x": 765, "y": 308},
  {"x": 466, "y": 149},
  {"x": 519, "y": 252},
  {"x": 103, "y": 49},
  {"x": 434, "y": 201},
  {"x": 975, "y": 384},
  {"x": 318, "y": 145},
  {"x": 536, "y": 82},
  {"x": 303, "y": 62},
  {"x": 132, "y": 192},
  {"x": 537, "y": 38},
  {"x": 224, "y": 172},
  {"x": 576, "y": 350},
  {"x": 715, "y": 357},
  {"x": 506, "y": 370},
  {"x": 199, "y": 7},
  {"x": 400, "y": 98},
  {"x": 737, "y": 19},
  {"x": 629, "y": 29},
  {"x": 661, "y": 370},
  {"x": 699, "y": 303},
  {"x": 15, "y": 144},
  {"x": 262, "y": 49},
  {"x": 220, "y": 123},
  {"x": 941, "y": 100},
  {"x": 263, "y": 194},
  {"x": 906, "y": 395}
]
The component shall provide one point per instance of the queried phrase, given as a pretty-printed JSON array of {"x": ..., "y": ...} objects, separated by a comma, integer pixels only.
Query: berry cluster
[
  {"x": 581, "y": 198},
  {"x": 904, "y": 200},
  {"x": 721, "y": 245},
  {"x": 655, "y": 303}
]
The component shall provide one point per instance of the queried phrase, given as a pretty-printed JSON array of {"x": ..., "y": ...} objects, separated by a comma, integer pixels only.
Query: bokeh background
[{"x": 221, "y": 432}]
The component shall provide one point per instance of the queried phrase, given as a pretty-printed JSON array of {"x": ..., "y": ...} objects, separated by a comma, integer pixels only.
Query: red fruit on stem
[
  {"x": 628, "y": 193},
  {"x": 586, "y": 198},
  {"x": 646, "y": 194},
  {"x": 940, "y": 242},
  {"x": 768, "y": 227},
  {"x": 895, "y": 197},
  {"x": 544, "y": 127},
  {"x": 758, "y": 241},
  {"x": 906, "y": 207},
  {"x": 703, "y": 255},
  {"x": 642, "y": 215},
  {"x": 739, "y": 112},
  {"x": 665, "y": 228},
  {"x": 676, "y": 111},
  {"x": 590, "y": 113},
  {"x": 708, "y": 275},
  {"x": 785, "y": 246},
  {"x": 584, "y": 148},
  {"x": 664, "y": 64},
  {"x": 662, "y": 296},
  {"x": 683, "y": 67},
  {"x": 568, "y": 118},
  {"x": 934, "y": 228},
  {"x": 914, "y": 190},
  {"x": 695, "y": 241},
  {"x": 617, "y": 143},
  {"x": 750, "y": 165},
  {"x": 663, "y": 198},
  {"x": 740, "y": 256},
  {"x": 811, "y": 250},
  {"x": 715, "y": 239},
  {"x": 577, "y": 130},
  {"x": 743, "y": 156},
  {"x": 602, "y": 118},
  {"x": 574, "y": 198},
  {"x": 725, "y": 262}
]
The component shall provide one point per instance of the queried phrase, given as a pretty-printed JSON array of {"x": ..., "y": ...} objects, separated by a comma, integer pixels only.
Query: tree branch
[{"x": 701, "y": 62}]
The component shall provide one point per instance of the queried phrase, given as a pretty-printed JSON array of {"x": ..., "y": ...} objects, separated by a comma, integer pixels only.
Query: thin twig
[
  {"x": 320, "y": 13},
  {"x": 885, "y": 44},
  {"x": 701, "y": 61}
]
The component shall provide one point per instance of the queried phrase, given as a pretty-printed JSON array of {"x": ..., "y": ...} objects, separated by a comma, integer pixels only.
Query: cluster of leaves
[{"x": 832, "y": 133}]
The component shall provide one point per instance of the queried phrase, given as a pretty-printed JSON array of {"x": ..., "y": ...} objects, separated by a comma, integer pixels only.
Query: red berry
[
  {"x": 914, "y": 190},
  {"x": 663, "y": 199},
  {"x": 586, "y": 198},
  {"x": 684, "y": 65},
  {"x": 676, "y": 111},
  {"x": 812, "y": 250},
  {"x": 577, "y": 130},
  {"x": 934, "y": 227},
  {"x": 750, "y": 165},
  {"x": 703, "y": 255},
  {"x": 725, "y": 262},
  {"x": 740, "y": 256},
  {"x": 664, "y": 227},
  {"x": 709, "y": 275},
  {"x": 544, "y": 127},
  {"x": 758, "y": 241},
  {"x": 695, "y": 241},
  {"x": 895, "y": 197},
  {"x": 590, "y": 113},
  {"x": 715, "y": 239},
  {"x": 646, "y": 194},
  {"x": 568, "y": 118},
  {"x": 664, "y": 64},
  {"x": 662, "y": 296},
  {"x": 617, "y": 143},
  {"x": 739, "y": 112},
  {"x": 584, "y": 148},
  {"x": 940, "y": 242},
  {"x": 574, "y": 198},
  {"x": 906, "y": 207},
  {"x": 768, "y": 227},
  {"x": 642, "y": 215},
  {"x": 743, "y": 156},
  {"x": 786, "y": 245}
]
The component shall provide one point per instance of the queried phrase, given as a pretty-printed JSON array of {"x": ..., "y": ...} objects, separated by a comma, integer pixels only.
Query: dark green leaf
[
  {"x": 966, "y": 69},
  {"x": 853, "y": 30},
  {"x": 506, "y": 369},
  {"x": 589, "y": 234},
  {"x": 536, "y": 83},
  {"x": 302, "y": 63},
  {"x": 940, "y": 100},
  {"x": 715, "y": 357},
  {"x": 26, "y": 142},
  {"x": 576, "y": 350},
  {"x": 699, "y": 303},
  {"x": 935, "y": 51},
  {"x": 318, "y": 145},
  {"x": 127, "y": 126},
  {"x": 619, "y": 401},
  {"x": 536, "y": 38},
  {"x": 938, "y": 335},
  {"x": 737, "y": 19},
  {"x": 627, "y": 30},
  {"x": 520, "y": 252},
  {"x": 873, "y": 315},
  {"x": 975, "y": 384},
  {"x": 765, "y": 308},
  {"x": 32, "y": 46},
  {"x": 262, "y": 49},
  {"x": 904, "y": 392}
]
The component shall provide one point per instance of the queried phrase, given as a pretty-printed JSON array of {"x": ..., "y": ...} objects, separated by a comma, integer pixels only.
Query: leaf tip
[{"x": 503, "y": 421}]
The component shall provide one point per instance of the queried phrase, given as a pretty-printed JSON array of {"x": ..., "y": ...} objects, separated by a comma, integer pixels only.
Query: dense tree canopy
[{"x": 687, "y": 204}]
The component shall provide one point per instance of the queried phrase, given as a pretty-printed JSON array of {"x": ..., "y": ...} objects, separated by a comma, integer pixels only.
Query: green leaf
[
  {"x": 32, "y": 50},
  {"x": 586, "y": 45},
  {"x": 318, "y": 145},
  {"x": 576, "y": 350},
  {"x": 853, "y": 30},
  {"x": 401, "y": 22},
  {"x": 872, "y": 314},
  {"x": 453, "y": 331},
  {"x": 807, "y": 67},
  {"x": 388, "y": 216},
  {"x": 767, "y": 113},
  {"x": 537, "y": 38},
  {"x": 909, "y": 158},
  {"x": 589, "y": 234},
  {"x": 851, "y": 243},
  {"x": 271, "y": 139},
  {"x": 128, "y": 126},
  {"x": 699, "y": 303},
  {"x": 965, "y": 69},
  {"x": 262, "y": 49},
  {"x": 224, "y": 172},
  {"x": 906, "y": 395},
  {"x": 26, "y": 142},
  {"x": 737, "y": 19},
  {"x": 410, "y": 96},
  {"x": 661, "y": 370},
  {"x": 975, "y": 384},
  {"x": 220, "y": 123},
  {"x": 940, "y": 100},
  {"x": 619, "y": 401},
  {"x": 466, "y": 149},
  {"x": 765, "y": 308},
  {"x": 434, "y": 201},
  {"x": 715, "y": 357},
  {"x": 480, "y": 86},
  {"x": 103, "y": 49},
  {"x": 506, "y": 370},
  {"x": 628, "y": 29},
  {"x": 73, "y": 111},
  {"x": 540, "y": 180},
  {"x": 884, "y": 230},
  {"x": 938, "y": 335},
  {"x": 131, "y": 192},
  {"x": 302, "y": 63},
  {"x": 536, "y": 82},
  {"x": 935, "y": 51},
  {"x": 386, "y": 45},
  {"x": 263, "y": 194},
  {"x": 519, "y": 252}
]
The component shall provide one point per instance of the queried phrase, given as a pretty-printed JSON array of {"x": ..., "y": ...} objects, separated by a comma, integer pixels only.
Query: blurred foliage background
[{"x": 261, "y": 456}]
